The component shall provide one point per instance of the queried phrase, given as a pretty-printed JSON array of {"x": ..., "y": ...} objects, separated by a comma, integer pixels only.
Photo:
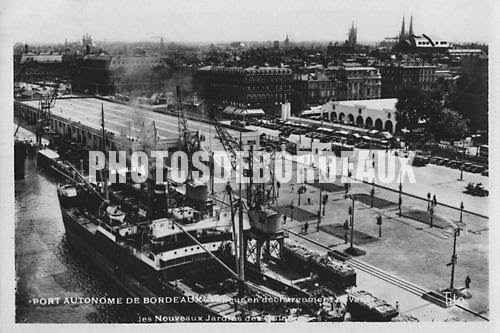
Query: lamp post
[
  {"x": 461, "y": 210},
  {"x": 319, "y": 220},
  {"x": 431, "y": 211},
  {"x": 400, "y": 201},
  {"x": 325, "y": 200},
  {"x": 456, "y": 232},
  {"x": 372, "y": 194},
  {"x": 351, "y": 213},
  {"x": 379, "y": 223}
]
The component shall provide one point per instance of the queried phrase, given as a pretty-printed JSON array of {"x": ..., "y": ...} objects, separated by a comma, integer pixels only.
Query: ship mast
[
  {"x": 103, "y": 149},
  {"x": 241, "y": 256}
]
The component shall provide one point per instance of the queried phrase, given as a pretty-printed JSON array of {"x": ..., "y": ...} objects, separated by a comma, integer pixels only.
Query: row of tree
[{"x": 450, "y": 117}]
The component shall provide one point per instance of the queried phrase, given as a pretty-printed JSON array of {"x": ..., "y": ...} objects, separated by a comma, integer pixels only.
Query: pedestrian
[
  {"x": 306, "y": 226},
  {"x": 434, "y": 200},
  {"x": 397, "y": 305},
  {"x": 284, "y": 219},
  {"x": 345, "y": 237},
  {"x": 309, "y": 200},
  {"x": 467, "y": 282}
]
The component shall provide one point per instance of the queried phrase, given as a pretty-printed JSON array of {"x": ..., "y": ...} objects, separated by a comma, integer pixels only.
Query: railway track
[{"x": 389, "y": 278}]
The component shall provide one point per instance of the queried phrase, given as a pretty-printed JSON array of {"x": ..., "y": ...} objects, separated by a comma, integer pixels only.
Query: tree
[
  {"x": 411, "y": 107},
  {"x": 449, "y": 125},
  {"x": 471, "y": 100}
]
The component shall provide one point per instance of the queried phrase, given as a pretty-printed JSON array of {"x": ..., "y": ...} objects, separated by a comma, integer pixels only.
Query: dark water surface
[{"x": 48, "y": 266}]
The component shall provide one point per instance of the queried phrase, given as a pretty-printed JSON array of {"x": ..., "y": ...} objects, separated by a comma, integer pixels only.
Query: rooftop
[{"x": 374, "y": 104}]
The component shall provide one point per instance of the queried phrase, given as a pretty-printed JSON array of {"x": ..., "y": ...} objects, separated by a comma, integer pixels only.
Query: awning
[
  {"x": 49, "y": 154},
  {"x": 325, "y": 129},
  {"x": 229, "y": 109},
  {"x": 386, "y": 135},
  {"x": 255, "y": 112},
  {"x": 343, "y": 132},
  {"x": 236, "y": 111},
  {"x": 356, "y": 135}
]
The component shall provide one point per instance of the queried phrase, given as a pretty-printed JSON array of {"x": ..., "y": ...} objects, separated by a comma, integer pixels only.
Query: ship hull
[{"x": 136, "y": 278}]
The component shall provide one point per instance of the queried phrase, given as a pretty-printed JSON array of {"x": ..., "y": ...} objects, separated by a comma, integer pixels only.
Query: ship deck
[{"x": 82, "y": 219}]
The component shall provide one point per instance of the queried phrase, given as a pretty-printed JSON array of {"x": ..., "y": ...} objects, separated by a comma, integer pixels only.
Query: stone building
[
  {"x": 359, "y": 82},
  {"x": 253, "y": 87},
  {"x": 397, "y": 77}
]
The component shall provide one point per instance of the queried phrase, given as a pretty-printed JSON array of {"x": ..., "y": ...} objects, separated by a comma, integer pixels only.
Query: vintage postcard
[{"x": 277, "y": 162}]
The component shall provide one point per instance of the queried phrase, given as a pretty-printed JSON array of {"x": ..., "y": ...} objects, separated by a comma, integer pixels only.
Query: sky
[{"x": 53, "y": 21}]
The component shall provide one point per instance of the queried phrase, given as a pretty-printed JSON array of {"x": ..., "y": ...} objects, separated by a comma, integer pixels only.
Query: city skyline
[{"x": 60, "y": 20}]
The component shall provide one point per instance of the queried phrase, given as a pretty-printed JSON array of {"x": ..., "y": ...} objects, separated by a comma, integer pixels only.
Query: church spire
[
  {"x": 410, "y": 31},
  {"x": 402, "y": 34}
]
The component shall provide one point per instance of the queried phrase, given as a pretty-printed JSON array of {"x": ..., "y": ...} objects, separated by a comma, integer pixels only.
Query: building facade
[
  {"x": 106, "y": 74},
  {"x": 360, "y": 83},
  {"x": 379, "y": 114},
  {"x": 253, "y": 88},
  {"x": 397, "y": 77},
  {"x": 32, "y": 67},
  {"x": 314, "y": 89}
]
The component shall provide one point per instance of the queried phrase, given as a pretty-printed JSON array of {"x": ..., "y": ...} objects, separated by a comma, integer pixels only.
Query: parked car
[
  {"x": 442, "y": 161},
  {"x": 433, "y": 160},
  {"x": 468, "y": 167},
  {"x": 476, "y": 189},
  {"x": 478, "y": 169},
  {"x": 449, "y": 163},
  {"x": 485, "y": 173}
]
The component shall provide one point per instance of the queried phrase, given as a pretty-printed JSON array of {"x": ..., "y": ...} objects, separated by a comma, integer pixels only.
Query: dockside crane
[
  {"x": 189, "y": 140},
  {"x": 265, "y": 223},
  {"x": 46, "y": 104}
]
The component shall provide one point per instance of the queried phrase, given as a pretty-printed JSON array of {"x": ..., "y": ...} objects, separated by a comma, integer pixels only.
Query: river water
[{"x": 48, "y": 266}]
